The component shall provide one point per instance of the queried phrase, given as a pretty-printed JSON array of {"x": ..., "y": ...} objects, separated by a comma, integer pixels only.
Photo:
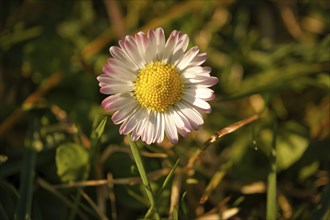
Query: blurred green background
[{"x": 272, "y": 59}]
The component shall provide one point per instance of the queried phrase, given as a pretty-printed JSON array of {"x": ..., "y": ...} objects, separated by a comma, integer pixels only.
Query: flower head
[{"x": 156, "y": 86}]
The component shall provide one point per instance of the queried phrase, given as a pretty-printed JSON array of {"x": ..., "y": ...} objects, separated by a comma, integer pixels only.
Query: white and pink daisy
[{"x": 156, "y": 87}]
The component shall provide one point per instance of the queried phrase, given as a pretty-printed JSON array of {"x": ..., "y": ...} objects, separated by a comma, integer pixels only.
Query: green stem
[
  {"x": 271, "y": 186},
  {"x": 143, "y": 174}
]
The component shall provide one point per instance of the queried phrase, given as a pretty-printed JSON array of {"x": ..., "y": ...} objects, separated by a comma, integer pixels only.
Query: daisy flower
[{"x": 156, "y": 87}]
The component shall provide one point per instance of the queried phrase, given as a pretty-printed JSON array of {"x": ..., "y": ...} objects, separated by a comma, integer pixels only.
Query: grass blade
[
  {"x": 167, "y": 179},
  {"x": 24, "y": 204},
  {"x": 145, "y": 180},
  {"x": 23, "y": 209}
]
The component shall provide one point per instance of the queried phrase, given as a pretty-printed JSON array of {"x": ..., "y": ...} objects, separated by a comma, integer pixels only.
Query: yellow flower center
[{"x": 158, "y": 86}]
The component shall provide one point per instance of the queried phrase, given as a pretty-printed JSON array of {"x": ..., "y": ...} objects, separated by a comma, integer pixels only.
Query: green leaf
[
  {"x": 308, "y": 170},
  {"x": 275, "y": 79},
  {"x": 167, "y": 179},
  {"x": 290, "y": 146},
  {"x": 8, "y": 199},
  {"x": 291, "y": 143},
  {"x": 3, "y": 159},
  {"x": 98, "y": 131},
  {"x": 72, "y": 162}
]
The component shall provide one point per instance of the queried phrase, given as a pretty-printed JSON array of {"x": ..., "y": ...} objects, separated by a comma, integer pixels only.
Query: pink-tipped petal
[
  {"x": 124, "y": 112},
  {"x": 201, "y": 104},
  {"x": 160, "y": 39},
  {"x": 170, "y": 129},
  {"x": 114, "y": 102},
  {"x": 191, "y": 114},
  {"x": 170, "y": 46},
  {"x": 160, "y": 127},
  {"x": 199, "y": 59},
  {"x": 152, "y": 49},
  {"x": 131, "y": 122},
  {"x": 201, "y": 92},
  {"x": 179, "y": 49},
  {"x": 142, "y": 44},
  {"x": 187, "y": 58}
]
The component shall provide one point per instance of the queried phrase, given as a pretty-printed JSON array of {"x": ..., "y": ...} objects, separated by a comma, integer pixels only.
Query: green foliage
[
  {"x": 290, "y": 146},
  {"x": 322, "y": 211},
  {"x": 24, "y": 204},
  {"x": 9, "y": 196},
  {"x": 72, "y": 162},
  {"x": 60, "y": 158}
]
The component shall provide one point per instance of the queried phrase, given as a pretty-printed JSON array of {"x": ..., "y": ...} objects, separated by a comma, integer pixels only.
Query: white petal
[
  {"x": 179, "y": 48},
  {"x": 146, "y": 130},
  {"x": 152, "y": 46},
  {"x": 188, "y": 127},
  {"x": 113, "y": 89},
  {"x": 119, "y": 70},
  {"x": 154, "y": 132},
  {"x": 183, "y": 132},
  {"x": 142, "y": 44},
  {"x": 183, "y": 42},
  {"x": 182, "y": 124},
  {"x": 138, "y": 131},
  {"x": 106, "y": 80},
  {"x": 160, "y": 39},
  {"x": 114, "y": 102},
  {"x": 176, "y": 118},
  {"x": 118, "y": 53},
  {"x": 160, "y": 127},
  {"x": 201, "y": 92},
  {"x": 148, "y": 135},
  {"x": 198, "y": 59},
  {"x": 170, "y": 129},
  {"x": 194, "y": 71},
  {"x": 170, "y": 44},
  {"x": 132, "y": 47},
  {"x": 132, "y": 51},
  {"x": 125, "y": 111},
  {"x": 131, "y": 122},
  {"x": 191, "y": 114},
  {"x": 200, "y": 82},
  {"x": 198, "y": 103},
  {"x": 129, "y": 53},
  {"x": 187, "y": 58}
]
